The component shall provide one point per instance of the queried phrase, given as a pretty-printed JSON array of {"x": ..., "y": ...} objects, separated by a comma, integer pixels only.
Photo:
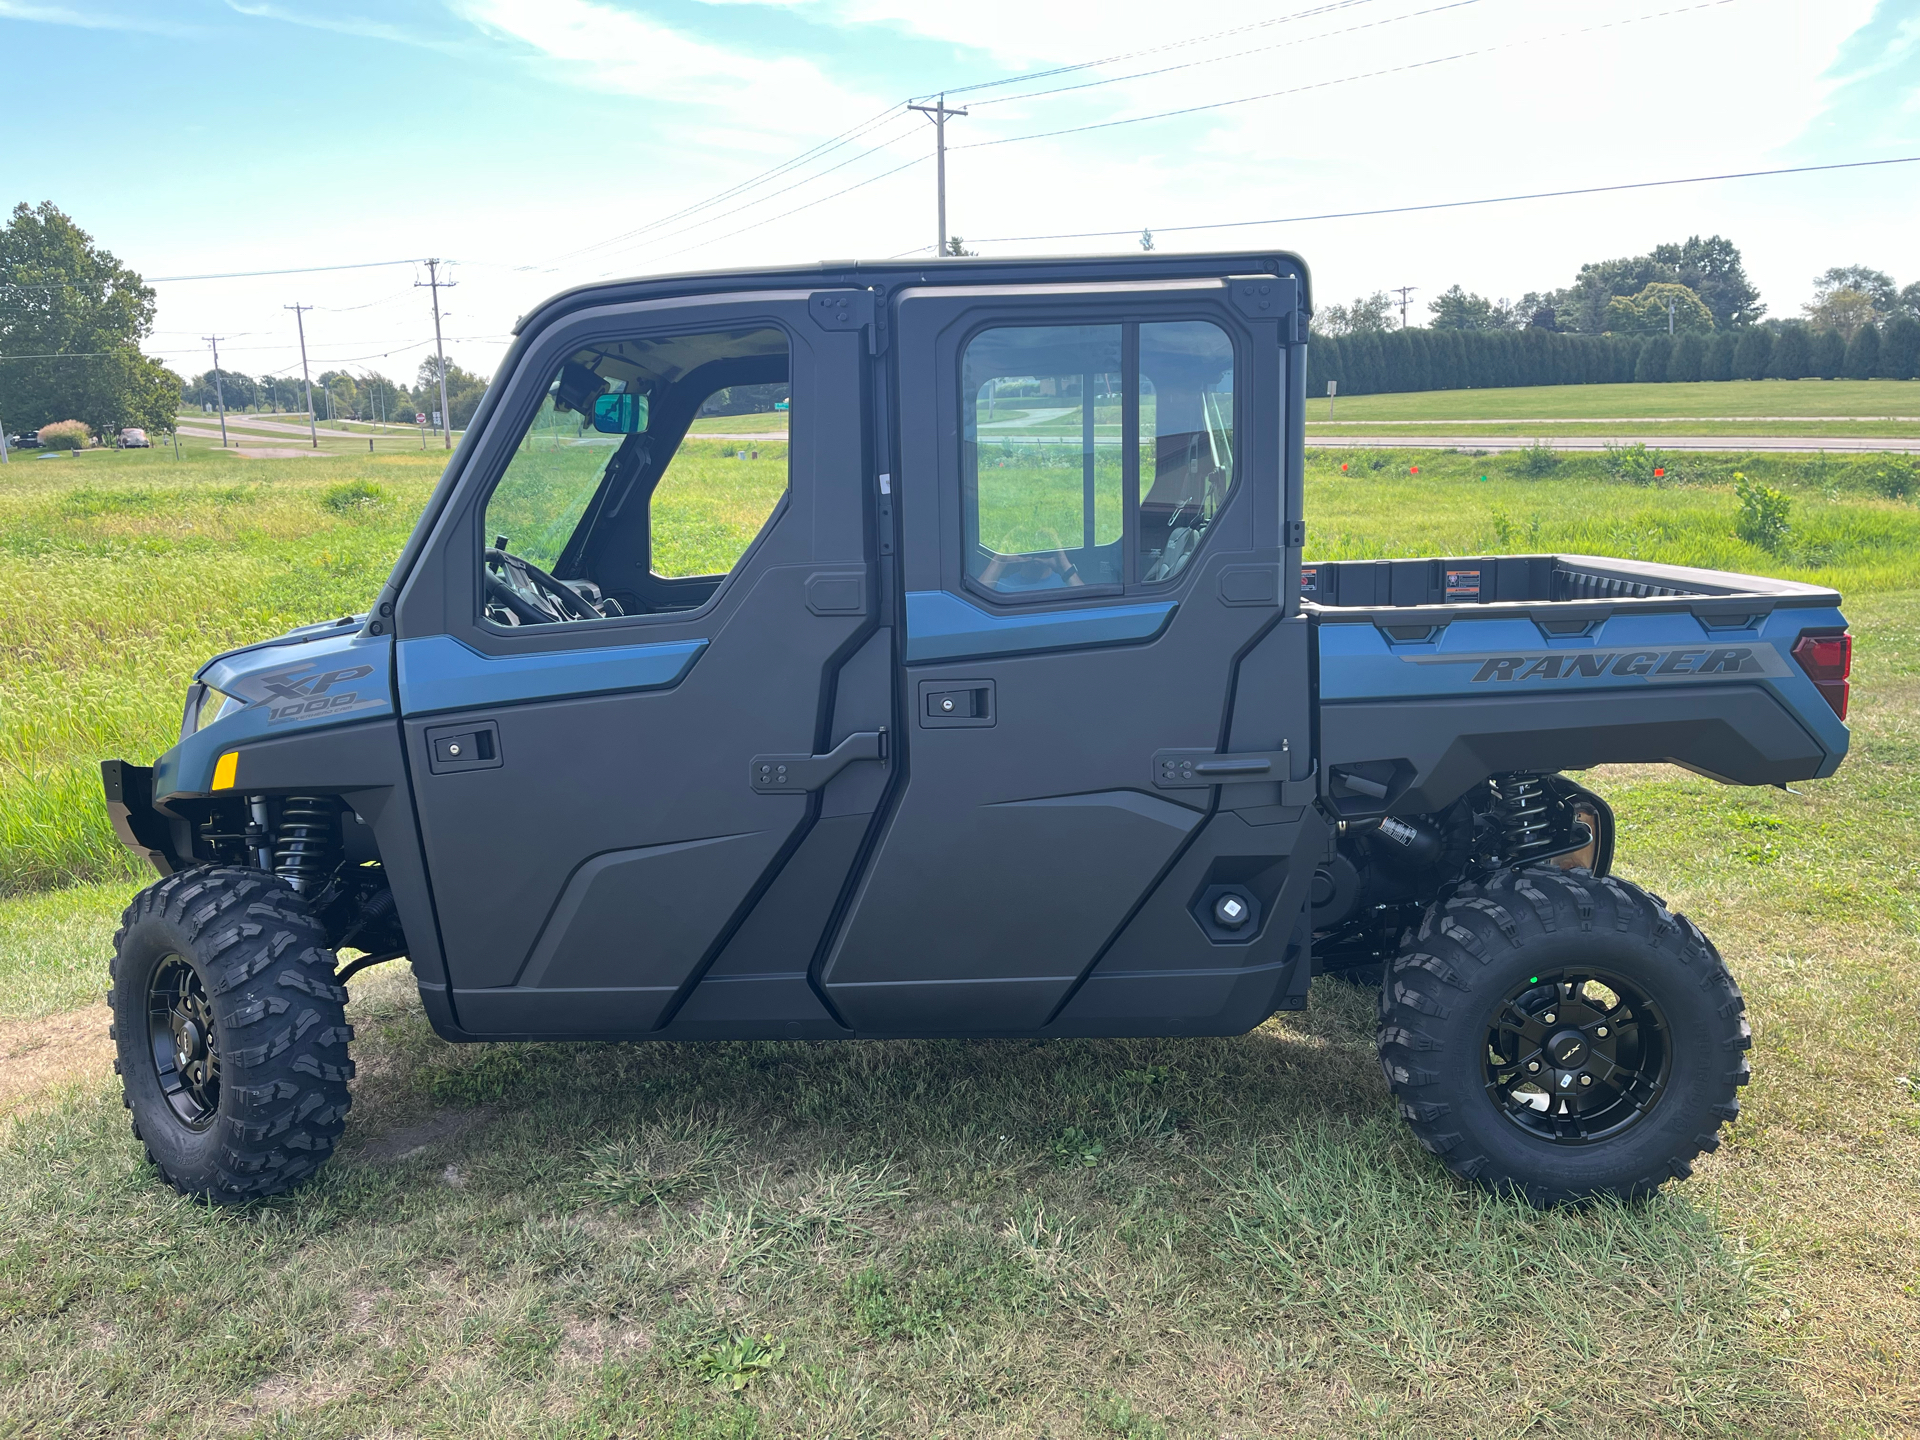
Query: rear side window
[
  {"x": 1044, "y": 501},
  {"x": 1094, "y": 456}
]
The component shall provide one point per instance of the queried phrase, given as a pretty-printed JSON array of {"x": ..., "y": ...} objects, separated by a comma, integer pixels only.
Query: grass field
[{"x": 1133, "y": 1238}]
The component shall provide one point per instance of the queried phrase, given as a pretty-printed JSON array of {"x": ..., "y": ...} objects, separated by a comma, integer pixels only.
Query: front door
[
  {"x": 1092, "y": 521},
  {"x": 622, "y": 647}
]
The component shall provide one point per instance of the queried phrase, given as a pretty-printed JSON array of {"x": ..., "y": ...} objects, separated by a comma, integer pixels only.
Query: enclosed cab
[{"x": 1001, "y": 704}]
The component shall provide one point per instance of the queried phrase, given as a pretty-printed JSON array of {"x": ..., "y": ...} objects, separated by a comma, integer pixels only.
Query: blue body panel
[
  {"x": 308, "y": 680},
  {"x": 438, "y": 673},
  {"x": 1474, "y": 657},
  {"x": 942, "y": 626}
]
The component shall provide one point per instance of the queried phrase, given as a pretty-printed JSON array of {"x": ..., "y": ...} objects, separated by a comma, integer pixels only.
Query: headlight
[{"x": 206, "y": 705}]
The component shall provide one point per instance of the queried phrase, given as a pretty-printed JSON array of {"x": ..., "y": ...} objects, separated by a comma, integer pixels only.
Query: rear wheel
[
  {"x": 1563, "y": 1037},
  {"x": 231, "y": 1034}
]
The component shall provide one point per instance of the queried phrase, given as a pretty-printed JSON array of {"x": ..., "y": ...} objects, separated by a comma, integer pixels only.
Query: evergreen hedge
[{"x": 1392, "y": 361}]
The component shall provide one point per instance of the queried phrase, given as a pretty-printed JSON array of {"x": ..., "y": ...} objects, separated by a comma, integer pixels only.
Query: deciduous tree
[
  {"x": 62, "y": 296},
  {"x": 1659, "y": 308},
  {"x": 1368, "y": 315}
]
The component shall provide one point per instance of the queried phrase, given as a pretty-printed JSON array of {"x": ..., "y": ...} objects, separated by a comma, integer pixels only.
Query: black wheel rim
[
  {"x": 180, "y": 1031},
  {"x": 1577, "y": 1055}
]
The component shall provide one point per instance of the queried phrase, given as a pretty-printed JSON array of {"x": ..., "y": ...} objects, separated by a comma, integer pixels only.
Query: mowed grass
[
  {"x": 1127, "y": 1238},
  {"x": 1746, "y": 399}
]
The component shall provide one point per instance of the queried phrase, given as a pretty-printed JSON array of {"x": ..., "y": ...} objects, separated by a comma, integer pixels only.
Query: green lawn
[
  {"x": 771, "y": 422},
  {"x": 1172, "y": 1238},
  {"x": 1468, "y": 433},
  {"x": 1706, "y": 399}
]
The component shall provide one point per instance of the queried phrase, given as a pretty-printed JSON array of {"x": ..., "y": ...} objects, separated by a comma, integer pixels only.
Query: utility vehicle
[{"x": 1014, "y": 711}]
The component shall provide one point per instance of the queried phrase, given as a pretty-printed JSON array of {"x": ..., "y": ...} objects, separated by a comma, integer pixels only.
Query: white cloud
[
  {"x": 89, "y": 19},
  {"x": 361, "y": 26},
  {"x": 604, "y": 47}
]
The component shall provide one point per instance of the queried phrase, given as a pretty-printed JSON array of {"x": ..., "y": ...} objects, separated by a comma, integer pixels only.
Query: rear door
[
  {"x": 604, "y": 801},
  {"x": 1092, "y": 509}
]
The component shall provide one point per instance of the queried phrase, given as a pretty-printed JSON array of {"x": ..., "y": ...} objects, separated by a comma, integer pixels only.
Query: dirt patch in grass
[
  {"x": 408, "y": 1141},
  {"x": 40, "y": 1058}
]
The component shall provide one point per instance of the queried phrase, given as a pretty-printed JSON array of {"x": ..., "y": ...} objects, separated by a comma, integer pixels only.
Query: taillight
[{"x": 1828, "y": 661}]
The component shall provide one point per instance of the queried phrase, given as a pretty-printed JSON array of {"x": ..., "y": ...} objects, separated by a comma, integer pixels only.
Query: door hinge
[
  {"x": 1296, "y": 534},
  {"x": 845, "y": 310}
]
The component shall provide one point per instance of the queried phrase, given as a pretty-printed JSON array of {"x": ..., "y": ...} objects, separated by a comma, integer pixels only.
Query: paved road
[
  {"x": 299, "y": 427},
  {"x": 1494, "y": 444}
]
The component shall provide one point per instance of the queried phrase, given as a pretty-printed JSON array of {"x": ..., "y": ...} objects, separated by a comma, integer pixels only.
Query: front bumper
[{"x": 141, "y": 828}]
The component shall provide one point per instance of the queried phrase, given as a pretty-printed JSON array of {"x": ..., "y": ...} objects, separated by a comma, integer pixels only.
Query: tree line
[
  {"x": 1680, "y": 312},
  {"x": 338, "y": 395}
]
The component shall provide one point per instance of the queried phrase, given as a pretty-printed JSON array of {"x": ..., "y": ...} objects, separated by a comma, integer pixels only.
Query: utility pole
[
  {"x": 940, "y": 112},
  {"x": 1669, "y": 315},
  {"x": 435, "y": 284},
  {"x": 1403, "y": 291},
  {"x": 300, "y": 319},
  {"x": 219, "y": 393}
]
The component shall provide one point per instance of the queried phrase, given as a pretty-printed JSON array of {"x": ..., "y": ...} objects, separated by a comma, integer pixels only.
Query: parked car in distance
[{"x": 134, "y": 438}]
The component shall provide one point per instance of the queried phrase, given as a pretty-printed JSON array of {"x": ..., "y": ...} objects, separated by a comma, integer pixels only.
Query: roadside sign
[
  {"x": 419, "y": 417},
  {"x": 436, "y": 419}
]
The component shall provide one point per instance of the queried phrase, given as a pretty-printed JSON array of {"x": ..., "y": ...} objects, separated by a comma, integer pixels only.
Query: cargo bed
[
  {"x": 1357, "y": 588},
  {"x": 1433, "y": 672}
]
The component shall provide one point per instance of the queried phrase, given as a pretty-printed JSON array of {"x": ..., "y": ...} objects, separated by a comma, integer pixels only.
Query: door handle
[
  {"x": 791, "y": 774},
  {"x": 1199, "y": 769}
]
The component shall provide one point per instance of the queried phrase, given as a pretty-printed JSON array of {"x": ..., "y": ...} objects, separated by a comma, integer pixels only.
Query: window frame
[
  {"x": 1129, "y": 324},
  {"x": 529, "y": 410}
]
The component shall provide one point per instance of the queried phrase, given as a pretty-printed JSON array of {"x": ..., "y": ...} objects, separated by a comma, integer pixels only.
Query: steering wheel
[{"x": 540, "y": 600}]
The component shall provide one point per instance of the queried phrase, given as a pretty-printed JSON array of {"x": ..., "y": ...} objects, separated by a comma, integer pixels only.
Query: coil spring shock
[
  {"x": 305, "y": 840},
  {"x": 1525, "y": 812}
]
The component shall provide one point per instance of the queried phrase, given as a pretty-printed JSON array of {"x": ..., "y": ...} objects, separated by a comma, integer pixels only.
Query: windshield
[{"x": 559, "y": 466}]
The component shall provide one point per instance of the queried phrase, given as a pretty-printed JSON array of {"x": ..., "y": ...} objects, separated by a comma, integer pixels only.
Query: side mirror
[{"x": 622, "y": 414}]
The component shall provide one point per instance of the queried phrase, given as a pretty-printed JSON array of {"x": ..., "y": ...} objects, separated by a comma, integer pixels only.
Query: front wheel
[
  {"x": 1563, "y": 1037},
  {"x": 231, "y": 1033}
]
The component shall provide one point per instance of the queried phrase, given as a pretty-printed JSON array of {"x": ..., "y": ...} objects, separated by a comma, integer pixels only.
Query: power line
[
  {"x": 1459, "y": 204},
  {"x": 1343, "y": 80},
  {"x": 1235, "y": 55},
  {"x": 825, "y": 147},
  {"x": 760, "y": 200},
  {"x": 302, "y": 270},
  {"x": 848, "y": 136},
  {"x": 860, "y": 185},
  {"x": 1153, "y": 49}
]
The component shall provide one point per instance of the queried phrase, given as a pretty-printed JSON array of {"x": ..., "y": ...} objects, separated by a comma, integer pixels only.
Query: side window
[
  {"x": 615, "y": 503},
  {"x": 1042, "y": 468},
  {"x": 1092, "y": 455}
]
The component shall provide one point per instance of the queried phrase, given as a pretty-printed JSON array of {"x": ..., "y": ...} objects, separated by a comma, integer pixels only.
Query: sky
[{"x": 538, "y": 144}]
